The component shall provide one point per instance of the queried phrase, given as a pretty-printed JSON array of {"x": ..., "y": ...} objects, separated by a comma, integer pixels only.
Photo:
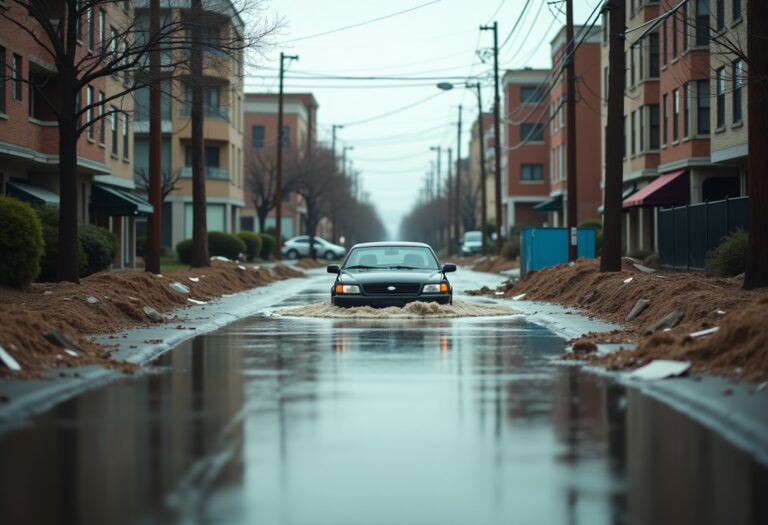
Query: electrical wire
[
  {"x": 517, "y": 23},
  {"x": 394, "y": 111},
  {"x": 370, "y": 21}
]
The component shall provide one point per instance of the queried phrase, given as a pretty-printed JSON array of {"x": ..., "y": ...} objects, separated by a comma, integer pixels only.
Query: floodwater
[{"x": 280, "y": 420}]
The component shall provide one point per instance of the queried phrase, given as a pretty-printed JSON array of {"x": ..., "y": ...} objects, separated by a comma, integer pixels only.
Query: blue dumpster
[{"x": 542, "y": 247}]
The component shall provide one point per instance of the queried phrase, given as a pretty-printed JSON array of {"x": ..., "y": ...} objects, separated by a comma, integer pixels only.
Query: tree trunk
[
  {"x": 262, "y": 213},
  {"x": 199, "y": 226},
  {"x": 756, "y": 275},
  {"x": 69, "y": 243},
  {"x": 155, "y": 186}
]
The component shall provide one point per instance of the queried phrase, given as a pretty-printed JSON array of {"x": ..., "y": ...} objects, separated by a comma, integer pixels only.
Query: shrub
[
  {"x": 21, "y": 243},
  {"x": 267, "y": 245},
  {"x": 225, "y": 245},
  {"x": 652, "y": 261},
  {"x": 597, "y": 224},
  {"x": 511, "y": 248},
  {"x": 100, "y": 247},
  {"x": 49, "y": 217},
  {"x": 252, "y": 244},
  {"x": 730, "y": 257},
  {"x": 184, "y": 251}
]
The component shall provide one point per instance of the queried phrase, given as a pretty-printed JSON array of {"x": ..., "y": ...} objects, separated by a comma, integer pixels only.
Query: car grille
[{"x": 400, "y": 289}]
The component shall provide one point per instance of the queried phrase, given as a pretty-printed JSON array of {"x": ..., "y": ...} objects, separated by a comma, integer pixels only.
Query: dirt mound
[
  {"x": 309, "y": 264},
  {"x": 494, "y": 264},
  {"x": 414, "y": 310},
  {"x": 108, "y": 302},
  {"x": 701, "y": 303}
]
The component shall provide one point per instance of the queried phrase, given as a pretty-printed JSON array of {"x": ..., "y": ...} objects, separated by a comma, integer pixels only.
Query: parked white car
[{"x": 296, "y": 247}]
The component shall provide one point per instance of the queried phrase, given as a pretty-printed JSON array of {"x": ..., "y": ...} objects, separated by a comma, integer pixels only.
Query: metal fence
[{"x": 688, "y": 233}]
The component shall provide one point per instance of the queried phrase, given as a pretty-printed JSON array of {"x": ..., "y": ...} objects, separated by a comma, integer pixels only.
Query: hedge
[
  {"x": 21, "y": 243},
  {"x": 252, "y": 244},
  {"x": 49, "y": 270},
  {"x": 219, "y": 244},
  {"x": 100, "y": 246},
  {"x": 267, "y": 246}
]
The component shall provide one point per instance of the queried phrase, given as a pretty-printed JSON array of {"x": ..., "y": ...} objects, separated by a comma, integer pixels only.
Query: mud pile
[
  {"x": 415, "y": 310},
  {"x": 700, "y": 301},
  {"x": 309, "y": 264},
  {"x": 108, "y": 302},
  {"x": 494, "y": 264}
]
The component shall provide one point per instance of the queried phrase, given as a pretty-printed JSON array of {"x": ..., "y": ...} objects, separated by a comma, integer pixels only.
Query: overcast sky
[{"x": 436, "y": 40}]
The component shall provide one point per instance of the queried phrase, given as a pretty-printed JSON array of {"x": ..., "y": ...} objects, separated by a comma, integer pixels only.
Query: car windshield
[
  {"x": 398, "y": 257},
  {"x": 472, "y": 237}
]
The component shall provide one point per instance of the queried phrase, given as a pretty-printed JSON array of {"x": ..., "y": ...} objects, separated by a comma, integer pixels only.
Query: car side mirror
[
  {"x": 449, "y": 267},
  {"x": 333, "y": 268}
]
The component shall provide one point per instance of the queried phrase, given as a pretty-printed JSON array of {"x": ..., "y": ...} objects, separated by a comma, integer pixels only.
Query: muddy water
[{"x": 375, "y": 421}]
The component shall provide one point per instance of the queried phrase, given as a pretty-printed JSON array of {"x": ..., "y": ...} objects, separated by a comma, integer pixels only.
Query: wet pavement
[{"x": 330, "y": 421}]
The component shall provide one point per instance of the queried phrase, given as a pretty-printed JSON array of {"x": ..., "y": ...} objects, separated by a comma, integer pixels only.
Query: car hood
[{"x": 390, "y": 276}]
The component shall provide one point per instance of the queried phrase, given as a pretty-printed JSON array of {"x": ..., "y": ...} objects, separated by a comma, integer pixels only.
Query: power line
[
  {"x": 394, "y": 111},
  {"x": 517, "y": 23},
  {"x": 370, "y": 21}
]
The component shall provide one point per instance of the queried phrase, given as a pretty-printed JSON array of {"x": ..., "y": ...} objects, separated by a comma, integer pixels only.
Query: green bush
[
  {"x": 225, "y": 245},
  {"x": 511, "y": 248},
  {"x": 597, "y": 224},
  {"x": 21, "y": 243},
  {"x": 267, "y": 245},
  {"x": 100, "y": 246},
  {"x": 49, "y": 217},
  {"x": 252, "y": 244},
  {"x": 184, "y": 251},
  {"x": 652, "y": 261},
  {"x": 730, "y": 257}
]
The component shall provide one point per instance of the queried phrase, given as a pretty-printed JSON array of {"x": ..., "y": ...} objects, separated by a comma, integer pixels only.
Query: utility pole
[
  {"x": 756, "y": 275},
  {"x": 279, "y": 178},
  {"x": 496, "y": 129},
  {"x": 438, "y": 149},
  {"x": 449, "y": 200},
  {"x": 610, "y": 260},
  {"x": 457, "y": 190},
  {"x": 570, "y": 148},
  {"x": 481, "y": 132},
  {"x": 344, "y": 150},
  {"x": 334, "y": 127},
  {"x": 152, "y": 249}
]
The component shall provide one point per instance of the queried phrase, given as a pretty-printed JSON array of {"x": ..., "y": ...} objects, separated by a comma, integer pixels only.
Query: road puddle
[{"x": 415, "y": 310}]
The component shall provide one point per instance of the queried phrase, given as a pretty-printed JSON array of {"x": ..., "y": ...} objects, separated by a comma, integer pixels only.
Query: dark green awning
[
  {"x": 552, "y": 204},
  {"x": 117, "y": 203},
  {"x": 33, "y": 194}
]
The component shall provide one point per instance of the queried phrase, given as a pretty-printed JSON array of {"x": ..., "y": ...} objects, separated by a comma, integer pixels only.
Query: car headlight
[
  {"x": 347, "y": 288},
  {"x": 435, "y": 288}
]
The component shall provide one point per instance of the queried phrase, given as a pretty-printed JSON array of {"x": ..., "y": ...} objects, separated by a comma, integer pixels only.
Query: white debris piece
[
  {"x": 195, "y": 301},
  {"x": 48, "y": 292},
  {"x": 9, "y": 361},
  {"x": 720, "y": 312},
  {"x": 702, "y": 333},
  {"x": 642, "y": 268},
  {"x": 629, "y": 280},
  {"x": 660, "y": 369},
  {"x": 159, "y": 275},
  {"x": 153, "y": 314},
  {"x": 91, "y": 300},
  {"x": 70, "y": 352},
  {"x": 241, "y": 267},
  {"x": 518, "y": 297},
  {"x": 498, "y": 293},
  {"x": 194, "y": 279},
  {"x": 220, "y": 258},
  {"x": 178, "y": 287},
  {"x": 762, "y": 386}
]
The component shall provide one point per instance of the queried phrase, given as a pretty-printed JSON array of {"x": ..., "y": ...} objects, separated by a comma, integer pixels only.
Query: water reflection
[{"x": 372, "y": 421}]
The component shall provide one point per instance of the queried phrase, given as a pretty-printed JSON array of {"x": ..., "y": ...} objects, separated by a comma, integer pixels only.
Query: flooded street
[{"x": 281, "y": 420}]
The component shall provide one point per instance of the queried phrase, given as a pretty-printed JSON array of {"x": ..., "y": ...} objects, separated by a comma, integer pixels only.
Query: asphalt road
[{"x": 281, "y": 420}]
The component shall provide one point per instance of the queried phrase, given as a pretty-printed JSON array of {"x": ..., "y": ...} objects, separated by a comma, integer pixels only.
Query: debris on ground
[
  {"x": 414, "y": 310},
  {"x": 688, "y": 302},
  {"x": 494, "y": 264},
  {"x": 309, "y": 264},
  {"x": 660, "y": 369},
  {"x": 40, "y": 324}
]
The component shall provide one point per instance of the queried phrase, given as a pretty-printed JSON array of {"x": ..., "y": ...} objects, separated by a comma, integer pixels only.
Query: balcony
[
  {"x": 211, "y": 172},
  {"x": 210, "y": 112}
]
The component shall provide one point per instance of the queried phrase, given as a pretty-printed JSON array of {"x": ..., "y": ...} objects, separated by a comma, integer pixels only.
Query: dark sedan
[{"x": 390, "y": 274}]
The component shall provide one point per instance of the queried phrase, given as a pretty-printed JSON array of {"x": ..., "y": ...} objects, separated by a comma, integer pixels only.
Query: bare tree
[
  {"x": 122, "y": 51},
  {"x": 261, "y": 184},
  {"x": 167, "y": 184}
]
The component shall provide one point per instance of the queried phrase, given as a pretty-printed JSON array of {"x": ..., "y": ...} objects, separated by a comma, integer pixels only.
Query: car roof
[{"x": 402, "y": 244}]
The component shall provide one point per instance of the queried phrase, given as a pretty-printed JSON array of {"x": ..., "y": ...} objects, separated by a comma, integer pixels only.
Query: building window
[
  {"x": 211, "y": 157},
  {"x": 719, "y": 15},
  {"x": 531, "y": 133},
  {"x": 686, "y": 109},
  {"x": 605, "y": 28},
  {"x": 102, "y": 28},
  {"x": 664, "y": 42},
  {"x": 665, "y": 123},
  {"x": 675, "y": 115},
  {"x": 632, "y": 66},
  {"x": 641, "y": 122},
  {"x": 113, "y": 43},
  {"x": 738, "y": 83},
  {"x": 89, "y": 112},
  {"x": 641, "y": 62},
  {"x": 113, "y": 128},
  {"x": 91, "y": 28},
  {"x": 285, "y": 136},
  {"x": 653, "y": 60},
  {"x": 633, "y": 135},
  {"x": 257, "y": 137},
  {"x": 720, "y": 75},
  {"x": 2, "y": 79},
  {"x": 684, "y": 11},
  {"x": 702, "y": 22},
  {"x": 702, "y": 107},
  {"x": 532, "y": 172},
  {"x": 674, "y": 34},
  {"x": 653, "y": 118},
  {"x": 605, "y": 86},
  {"x": 125, "y": 136},
  {"x": 736, "y": 8},
  {"x": 102, "y": 127},
  {"x": 530, "y": 95},
  {"x": 16, "y": 77}
]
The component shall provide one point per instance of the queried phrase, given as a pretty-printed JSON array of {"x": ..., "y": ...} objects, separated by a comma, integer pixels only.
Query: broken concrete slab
[
  {"x": 91, "y": 300},
  {"x": 703, "y": 333},
  {"x": 518, "y": 297},
  {"x": 644, "y": 269},
  {"x": 58, "y": 338},
  {"x": 588, "y": 297},
  {"x": 178, "y": 287},
  {"x": 639, "y": 307},
  {"x": 660, "y": 369},
  {"x": 8, "y": 360},
  {"x": 153, "y": 314},
  {"x": 668, "y": 321}
]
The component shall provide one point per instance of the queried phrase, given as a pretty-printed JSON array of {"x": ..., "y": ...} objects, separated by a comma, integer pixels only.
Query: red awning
[{"x": 670, "y": 189}]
